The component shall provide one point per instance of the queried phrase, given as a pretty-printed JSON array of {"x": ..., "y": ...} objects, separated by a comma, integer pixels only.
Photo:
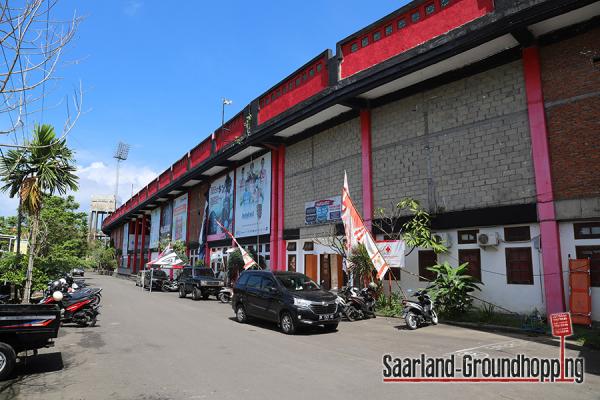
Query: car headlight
[
  {"x": 221, "y": 283},
  {"x": 202, "y": 283},
  {"x": 301, "y": 302}
]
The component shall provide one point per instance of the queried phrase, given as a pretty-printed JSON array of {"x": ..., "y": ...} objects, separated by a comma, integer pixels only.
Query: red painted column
[
  {"x": 142, "y": 240},
  {"x": 367, "y": 175},
  {"x": 549, "y": 234},
  {"x": 135, "y": 246},
  {"x": 280, "y": 208},
  {"x": 274, "y": 253}
]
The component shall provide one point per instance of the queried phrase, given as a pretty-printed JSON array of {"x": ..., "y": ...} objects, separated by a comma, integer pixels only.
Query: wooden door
[
  {"x": 310, "y": 266},
  {"x": 325, "y": 271},
  {"x": 340, "y": 271}
]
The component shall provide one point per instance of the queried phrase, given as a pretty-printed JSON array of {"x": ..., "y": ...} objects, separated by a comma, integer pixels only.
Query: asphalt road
[{"x": 157, "y": 346}]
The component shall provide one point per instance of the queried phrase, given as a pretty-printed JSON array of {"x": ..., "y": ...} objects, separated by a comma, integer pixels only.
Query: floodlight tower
[{"x": 121, "y": 154}]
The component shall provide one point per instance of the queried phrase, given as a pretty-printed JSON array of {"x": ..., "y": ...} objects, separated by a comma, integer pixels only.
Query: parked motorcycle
[
  {"x": 357, "y": 304},
  {"x": 170, "y": 285},
  {"x": 225, "y": 295},
  {"x": 79, "y": 307},
  {"x": 417, "y": 313}
]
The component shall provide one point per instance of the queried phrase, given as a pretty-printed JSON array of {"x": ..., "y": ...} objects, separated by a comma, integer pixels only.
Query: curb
[{"x": 488, "y": 327}]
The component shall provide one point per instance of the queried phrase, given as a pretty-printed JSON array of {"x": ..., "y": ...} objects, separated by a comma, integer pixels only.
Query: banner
[
  {"x": 125, "y": 238},
  {"x": 166, "y": 219},
  {"x": 357, "y": 233},
  {"x": 323, "y": 211},
  {"x": 393, "y": 252},
  {"x": 248, "y": 261},
  {"x": 180, "y": 206},
  {"x": 253, "y": 197},
  {"x": 202, "y": 237},
  {"x": 220, "y": 206},
  {"x": 154, "y": 228}
]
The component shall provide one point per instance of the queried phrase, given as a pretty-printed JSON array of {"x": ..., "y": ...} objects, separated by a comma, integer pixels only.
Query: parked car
[
  {"x": 290, "y": 299},
  {"x": 25, "y": 327},
  {"x": 77, "y": 272},
  {"x": 200, "y": 282},
  {"x": 155, "y": 277}
]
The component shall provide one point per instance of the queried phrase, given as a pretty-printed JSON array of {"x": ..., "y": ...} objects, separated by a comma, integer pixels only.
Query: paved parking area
[{"x": 157, "y": 346}]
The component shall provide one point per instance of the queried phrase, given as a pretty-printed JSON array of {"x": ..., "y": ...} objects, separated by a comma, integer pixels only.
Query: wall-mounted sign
[
  {"x": 125, "y": 238},
  {"x": 323, "y": 211},
  {"x": 392, "y": 252},
  {"x": 166, "y": 220},
  {"x": 154, "y": 228},
  {"x": 220, "y": 206},
  {"x": 180, "y": 206},
  {"x": 253, "y": 197}
]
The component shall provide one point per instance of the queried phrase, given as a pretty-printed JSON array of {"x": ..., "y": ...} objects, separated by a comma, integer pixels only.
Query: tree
[
  {"x": 102, "y": 257},
  {"x": 451, "y": 288},
  {"x": 44, "y": 167},
  {"x": 235, "y": 263}
]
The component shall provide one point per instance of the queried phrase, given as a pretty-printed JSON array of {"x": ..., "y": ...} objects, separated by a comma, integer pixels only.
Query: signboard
[
  {"x": 392, "y": 252},
  {"x": 180, "y": 206},
  {"x": 220, "y": 207},
  {"x": 166, "y": 219},
  {"x": 154, "y": 228},
  {"x": 253, "y": 197},
  {"x": 323, "y": 211},
  {"x": 561, "y": 324}
]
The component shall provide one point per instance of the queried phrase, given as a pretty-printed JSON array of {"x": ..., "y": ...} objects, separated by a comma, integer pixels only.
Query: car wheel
[
  {"x": 411, "y": 320},
  {"x": 287, "y": 324},
  {"x": 240, "y": 314},
  {"x": 331, "y": 327},
  {"x": 182, "y": 293},
  {"x": 434, "y": 317},
  {"x": 196, "y": 294},
  {"x": 8, "y": 359}
]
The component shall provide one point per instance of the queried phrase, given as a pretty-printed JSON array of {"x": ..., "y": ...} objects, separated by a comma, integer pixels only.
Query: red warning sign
[{"x": 561, "y": 324}]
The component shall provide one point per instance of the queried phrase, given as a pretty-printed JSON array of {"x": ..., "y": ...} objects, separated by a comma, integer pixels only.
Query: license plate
[{"x": 326, "y": 317}]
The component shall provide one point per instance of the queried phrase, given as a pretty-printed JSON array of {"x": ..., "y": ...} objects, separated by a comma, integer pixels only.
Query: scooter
[
  {"x": 170, "y": 286},
  {"x": 356, "y": 304},
  {"x": 417, "y": 313},
  {"x": 80, "y": 307},
  {"x": 225, "y": 295}
]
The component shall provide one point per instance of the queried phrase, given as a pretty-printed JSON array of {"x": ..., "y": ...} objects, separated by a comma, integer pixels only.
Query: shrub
[{"x": 451, "y": 288}]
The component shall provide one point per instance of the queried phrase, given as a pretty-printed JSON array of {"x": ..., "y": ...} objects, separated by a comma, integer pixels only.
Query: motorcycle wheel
[
  {"x": 434, "y": 317},
  {"x": 223, "y": 298},
  {"x": 411, "y": 320},
  {"x": 351, "y": 313}
]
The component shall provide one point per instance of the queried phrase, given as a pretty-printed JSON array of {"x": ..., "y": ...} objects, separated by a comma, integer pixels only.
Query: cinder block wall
[
  {"x": 464, "y": 145},
  {"x": 314, "y": 169}
]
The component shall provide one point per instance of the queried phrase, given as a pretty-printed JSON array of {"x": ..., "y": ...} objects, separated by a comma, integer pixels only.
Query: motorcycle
[
  {"x": 225, "y": 295},
  {"x": 170, "y": 285},
  {"x": 357, "y": 304},
  {"x": 79, "y": 306},
  {"x": 417, "y": 313}
]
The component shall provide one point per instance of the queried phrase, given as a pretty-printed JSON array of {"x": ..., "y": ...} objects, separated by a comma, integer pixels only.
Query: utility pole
[{"x": 121, "y": 154}]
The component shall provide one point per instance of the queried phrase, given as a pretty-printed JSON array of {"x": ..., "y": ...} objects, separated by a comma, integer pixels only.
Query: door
[
  {"x": 325, "y": 272},
  {"x": 580, "y": 301},
  {"x": 310, "y": 266},
  {"x": 254, "y": 305},
  {"x": 340, "y": 271},
  {"x": 269, "y": 298}
]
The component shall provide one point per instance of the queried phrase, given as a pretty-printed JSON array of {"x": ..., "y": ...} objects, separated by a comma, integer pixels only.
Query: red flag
[
  {"x": 356, "y": 232},
  {"x": 248, "y": 261}
]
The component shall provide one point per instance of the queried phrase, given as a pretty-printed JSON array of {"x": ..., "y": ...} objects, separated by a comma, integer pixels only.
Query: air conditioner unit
[
  {"x": 488, "y": 239},
  {"x": 443, "y": 238}
]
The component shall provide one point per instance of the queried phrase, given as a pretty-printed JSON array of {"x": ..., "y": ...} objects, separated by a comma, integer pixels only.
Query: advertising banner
[
  {"x": 125, "y": 239},
  {"x": 220, "y": 207},
  {"x": 323, "y": 211},
  {"x": 166, "y": 219},
  {"x": 131, "y": 245},
  {"x": 253, "y": 197},
  {"x": 180, "y": 206},
  {"x": 154, "y": 228},
  {"x": 393, "y": 252}
]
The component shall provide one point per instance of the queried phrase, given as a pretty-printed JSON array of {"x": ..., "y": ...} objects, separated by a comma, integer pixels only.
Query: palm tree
[{"x": 44, "y": 167}]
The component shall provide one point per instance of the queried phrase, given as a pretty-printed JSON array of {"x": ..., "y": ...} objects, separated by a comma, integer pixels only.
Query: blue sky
[{"x": 154, "y": 72}]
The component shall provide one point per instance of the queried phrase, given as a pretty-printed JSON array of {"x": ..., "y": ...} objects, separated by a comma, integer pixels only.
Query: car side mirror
[{"x": 273, "y": 290}]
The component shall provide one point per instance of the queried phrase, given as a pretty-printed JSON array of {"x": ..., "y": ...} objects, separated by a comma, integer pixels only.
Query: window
[
  {"x": 517, "y": 234},
  {"x": 308, "y": 246},
  {"x": 519, "y": 269},
  {"x": 587, "y": 230},
  {"x": 395, "y": 274},
  {"x": 376, "y": 36},
  {"x": 430, "y": 9},
  {"x": 243, "y": 279},
  {"x": 304, "y": 77},
  {"x": 267, "y": 100},
  {"x": 415, "y": 16},
  {"x": 468, "y": 237},
  {"x": 311, "y": 72},
  {"x": 473, "y": 257},
  {"x": 364, "y": 42},
  {"x": 444, "y": 3},
  {"x": 298, "y": 81},
  {"x": 253, "y": 281},
  {"x": 427, "y": 258},
  {"x": 388, "y": 30},
  {"x": 291, "y": 263},
  {"x": 401, "y": 23},
  {"x": 284, "y": 89},
  {"x": 319, "y": 67},
  {"x": 354, "y": 47},
  {"x": 267, "y": 283},
  {"x": 291, "y": 85},
  {"x": 593, "y": 253},
  {"x": 291, "y": 246}
]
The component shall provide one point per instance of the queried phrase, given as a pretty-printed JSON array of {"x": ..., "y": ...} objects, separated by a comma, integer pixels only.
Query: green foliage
[
  {"x": 451, "y": 288},
  {"x": 360, "y": 264},
  {"x": 235, "y": 262},
  {"x": 13, "y": 270},
  {"x": 487, "y": 312},
  {"x": 389, "y": 306},
  {"x": 180, "y": 250},
  {"x": 101, "y": 257}
]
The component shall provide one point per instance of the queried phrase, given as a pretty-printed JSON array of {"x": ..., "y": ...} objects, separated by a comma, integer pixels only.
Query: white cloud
[
  {"x": 8, "y": 206},
  {"x": 132, "y": 7}
]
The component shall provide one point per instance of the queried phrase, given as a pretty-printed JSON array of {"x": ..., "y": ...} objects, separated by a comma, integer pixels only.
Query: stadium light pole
[{"x": 121, "y": 154}]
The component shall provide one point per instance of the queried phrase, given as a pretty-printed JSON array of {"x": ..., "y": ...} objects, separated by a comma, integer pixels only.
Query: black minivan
[{"x": 290, "y": 299}]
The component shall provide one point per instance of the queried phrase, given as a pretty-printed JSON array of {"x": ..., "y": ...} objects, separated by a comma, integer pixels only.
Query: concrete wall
[
  {"x": 463, "y": 145},
  {"x": 314, "y": 169}
]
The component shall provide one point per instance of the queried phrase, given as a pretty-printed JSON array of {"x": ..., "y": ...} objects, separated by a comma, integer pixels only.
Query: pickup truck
[
  {"x": 200, "y": 282},
  {"x": 25, "y": 327}
]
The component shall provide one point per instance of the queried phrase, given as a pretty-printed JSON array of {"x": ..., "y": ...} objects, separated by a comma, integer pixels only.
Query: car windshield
[
  {"x": 157, "y": 273},
  {"x": 297, "y": 282},
  {"x": 204, "y": 272}
]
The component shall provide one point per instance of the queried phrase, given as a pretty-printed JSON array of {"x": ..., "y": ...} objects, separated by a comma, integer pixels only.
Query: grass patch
[{"x": 588, "y": 337}]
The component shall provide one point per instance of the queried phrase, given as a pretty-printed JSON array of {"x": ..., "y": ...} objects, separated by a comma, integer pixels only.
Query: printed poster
[
  {"x": 180, "y": 206},
  {"x": 220, "y": 206},
  {"x": 253, "y": 198},
  {"x": 166, "y": 219},
  {"x": 323, "y": 211},
  {"x": 154, "y": 228}
]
